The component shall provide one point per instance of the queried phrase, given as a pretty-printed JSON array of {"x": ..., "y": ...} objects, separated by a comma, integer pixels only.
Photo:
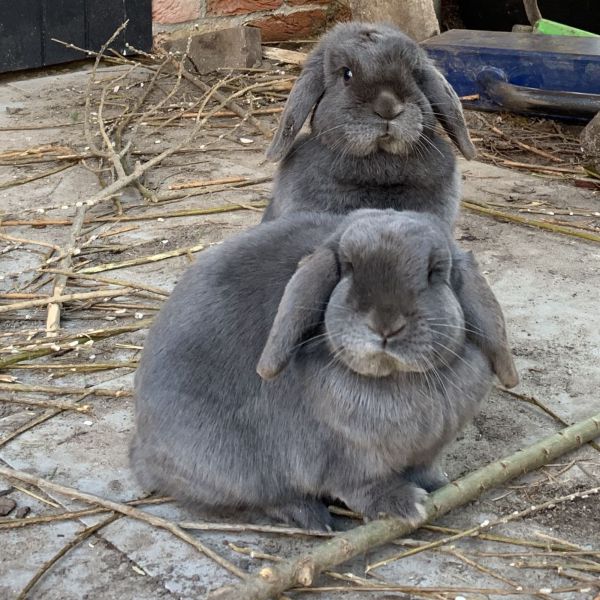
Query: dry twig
[
  {"x": 47, "y": 404},
  {"x": 60, "y": 281},
  {"x": 86, "y": 533},
  {"x": 124, "y": 509},
  {"x": 65, "y": 298},
  {"x": 142, "y": 260}
]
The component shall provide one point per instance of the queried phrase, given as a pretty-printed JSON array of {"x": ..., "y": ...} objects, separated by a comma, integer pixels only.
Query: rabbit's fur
[
  {"x": 373, "y": 141},
  {"x": 358, "y": 335}
]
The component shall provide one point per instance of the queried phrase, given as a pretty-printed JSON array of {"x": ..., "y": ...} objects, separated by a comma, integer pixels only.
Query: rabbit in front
[
  {"x": 338, "y": 368},
  {"x": 373, "y": 143}
]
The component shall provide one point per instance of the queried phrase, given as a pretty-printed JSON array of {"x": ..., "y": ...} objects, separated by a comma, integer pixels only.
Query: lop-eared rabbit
[
  {"x": 376, "y": 100},
  {"x": 317, "y": 357}
]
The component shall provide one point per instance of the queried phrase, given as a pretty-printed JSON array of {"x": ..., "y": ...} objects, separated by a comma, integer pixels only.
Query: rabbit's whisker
[
  {"x": 458, "y": 328},
  {"x": 447, "y": 367},
  {"x": 437, "y": 323},
  {"x": 314, "y": 137},
  {"x": 426, "y": 375},
  {"x": 448, "y": 118},
  {"x": 444, "y": 347},
  {"x": 440, "y": 379},
  {"x": 425, "y": 139}
]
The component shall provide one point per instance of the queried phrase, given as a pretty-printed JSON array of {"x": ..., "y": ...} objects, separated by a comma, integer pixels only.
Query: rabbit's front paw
[
  {"x": 395, "y": 498},
  {"x": 430, "y": 477},
  {"x": 307, "y": 514}
]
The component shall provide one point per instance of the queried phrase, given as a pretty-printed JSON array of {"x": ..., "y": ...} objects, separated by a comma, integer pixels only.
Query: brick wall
[{"x": 278, "y": 19}]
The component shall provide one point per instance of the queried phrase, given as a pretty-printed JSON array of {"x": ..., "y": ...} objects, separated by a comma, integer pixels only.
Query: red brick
[
  {"x": 240, "y": 7},
  {"x": 302, "y": 2},
  {"x": 175, "y": 11},
  {"x": 295, "y": 25}
]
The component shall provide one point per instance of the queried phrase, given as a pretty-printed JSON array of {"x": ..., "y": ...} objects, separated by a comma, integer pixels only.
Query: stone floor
[{"x": 547, "y": 283}]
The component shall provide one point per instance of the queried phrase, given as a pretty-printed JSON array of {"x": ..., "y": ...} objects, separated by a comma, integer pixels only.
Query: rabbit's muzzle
[{"x": 387, "y": 105}]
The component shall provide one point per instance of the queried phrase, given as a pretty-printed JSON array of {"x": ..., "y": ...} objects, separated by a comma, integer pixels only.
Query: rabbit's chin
[
  {"x": 379, "y": 364},
  {"x": 364, "y": 142}
]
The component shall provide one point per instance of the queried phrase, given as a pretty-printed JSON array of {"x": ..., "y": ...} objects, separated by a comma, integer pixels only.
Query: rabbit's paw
[
  {"x": 429, "y": 477},
  {"x": 398, "y": 498},
  {"x": 307, "y": 514}
]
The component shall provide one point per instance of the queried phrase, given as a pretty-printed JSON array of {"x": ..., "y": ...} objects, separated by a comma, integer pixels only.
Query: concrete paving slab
[{"x": 548, "y": 285}]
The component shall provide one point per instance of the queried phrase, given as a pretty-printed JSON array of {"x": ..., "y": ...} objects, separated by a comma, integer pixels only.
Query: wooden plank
[
  {"x": 20, "y": 34},
  {"x": 28, "y": 26},
  {"x": 102, "y": 19},
  {"x": 104, "y": 16},
  {"x": 508, "y": 42},
  {"x": 139, "y": 31},
  {"x": 62, "y": 20}
]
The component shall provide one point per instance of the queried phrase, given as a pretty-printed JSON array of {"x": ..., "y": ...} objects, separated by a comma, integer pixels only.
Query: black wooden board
[{"x": 28, "y": 26}]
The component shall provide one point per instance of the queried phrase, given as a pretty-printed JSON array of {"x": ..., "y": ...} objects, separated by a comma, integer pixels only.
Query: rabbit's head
[
  {"x": 393, "y": 309},
  {"x": 373, "y": 90},
  {"x": 384, "y": 281}
]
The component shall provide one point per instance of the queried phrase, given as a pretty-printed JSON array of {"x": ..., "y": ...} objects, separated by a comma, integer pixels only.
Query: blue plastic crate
[{"x": 555, "y": 76}]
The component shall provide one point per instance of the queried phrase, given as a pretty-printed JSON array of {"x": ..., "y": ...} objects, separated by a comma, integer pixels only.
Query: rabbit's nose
[
  {"x": 387, "y": 106},
  {"x": 388, "y": 330}
]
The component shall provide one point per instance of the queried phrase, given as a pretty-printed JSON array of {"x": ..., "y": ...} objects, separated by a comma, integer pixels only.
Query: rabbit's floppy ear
[
  {"x": 483, "y": 316},
  {"x": 447, "y": 108},
  {"x": 307, "y": 90},
  {"x": 300, "y": 309}
]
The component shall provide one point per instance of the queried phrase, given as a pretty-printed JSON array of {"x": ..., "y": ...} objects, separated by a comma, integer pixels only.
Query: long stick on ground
[
  {"x": 124, "y": 509},
  {"x": 302, "y": 570},
  {"x": 63, "y": 298}
]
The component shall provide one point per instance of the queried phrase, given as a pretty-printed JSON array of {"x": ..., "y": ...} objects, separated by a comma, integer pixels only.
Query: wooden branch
[
  {"x": 123, "y": 509},
  {"x": 63, "y": 391},
  {"x": 13, "y": 182},
  {"x": 142, "y": 260},
  {"x": 533, "y": 167},
  {"x": 47, "y": 404},
  {"x": 486, "y": 525},
  {"x": 547, "y": 225},
  {"x": 16, "y": 523},
  {"x": 80, "y": 537},
  {"x": 97, "y": 334},
  {"x": 20, "y": 240},
  {"x": 303, "y": 569},
  {"x": 527, "y": 147},
  {"x": 45, "y": 416},
  {"x": 65, "y": 298},
  {"x": 230, "y": 104},
  {"x": 127, "y": 284},
  {"x": 188, "y": 212},
  {"x": 285, "y": 56},
  {"x": 206, "y": 182},
  {"x": 532, "y": 11},
  {"x": 60, "y": 281},
  {"x": 122, "y": 182}
]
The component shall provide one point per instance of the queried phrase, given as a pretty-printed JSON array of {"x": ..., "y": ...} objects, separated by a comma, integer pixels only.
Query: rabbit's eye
[{"x": 347, "y": 74}]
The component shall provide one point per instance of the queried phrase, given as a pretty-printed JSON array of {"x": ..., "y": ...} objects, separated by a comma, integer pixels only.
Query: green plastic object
[{"x": 552, "y": 28}]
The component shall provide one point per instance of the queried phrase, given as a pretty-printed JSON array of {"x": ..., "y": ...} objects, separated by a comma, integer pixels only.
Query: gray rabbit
[
  {"x": 316, "y": 357},
  {"x": 373, "y": 143}
]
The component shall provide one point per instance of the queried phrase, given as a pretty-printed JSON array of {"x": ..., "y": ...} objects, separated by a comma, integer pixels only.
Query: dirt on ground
[{"x": 535, "y": 231}]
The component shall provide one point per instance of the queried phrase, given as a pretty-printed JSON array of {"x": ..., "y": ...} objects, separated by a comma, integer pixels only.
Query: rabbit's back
[
  {"x": 314, "y": 178},
  {"x": 197, "y": 392}
]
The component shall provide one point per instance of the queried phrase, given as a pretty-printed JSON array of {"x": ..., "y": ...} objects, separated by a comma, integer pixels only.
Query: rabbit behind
[
  {"x": 373, "y": 142},
  {"x": 365, "y": 373}
]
